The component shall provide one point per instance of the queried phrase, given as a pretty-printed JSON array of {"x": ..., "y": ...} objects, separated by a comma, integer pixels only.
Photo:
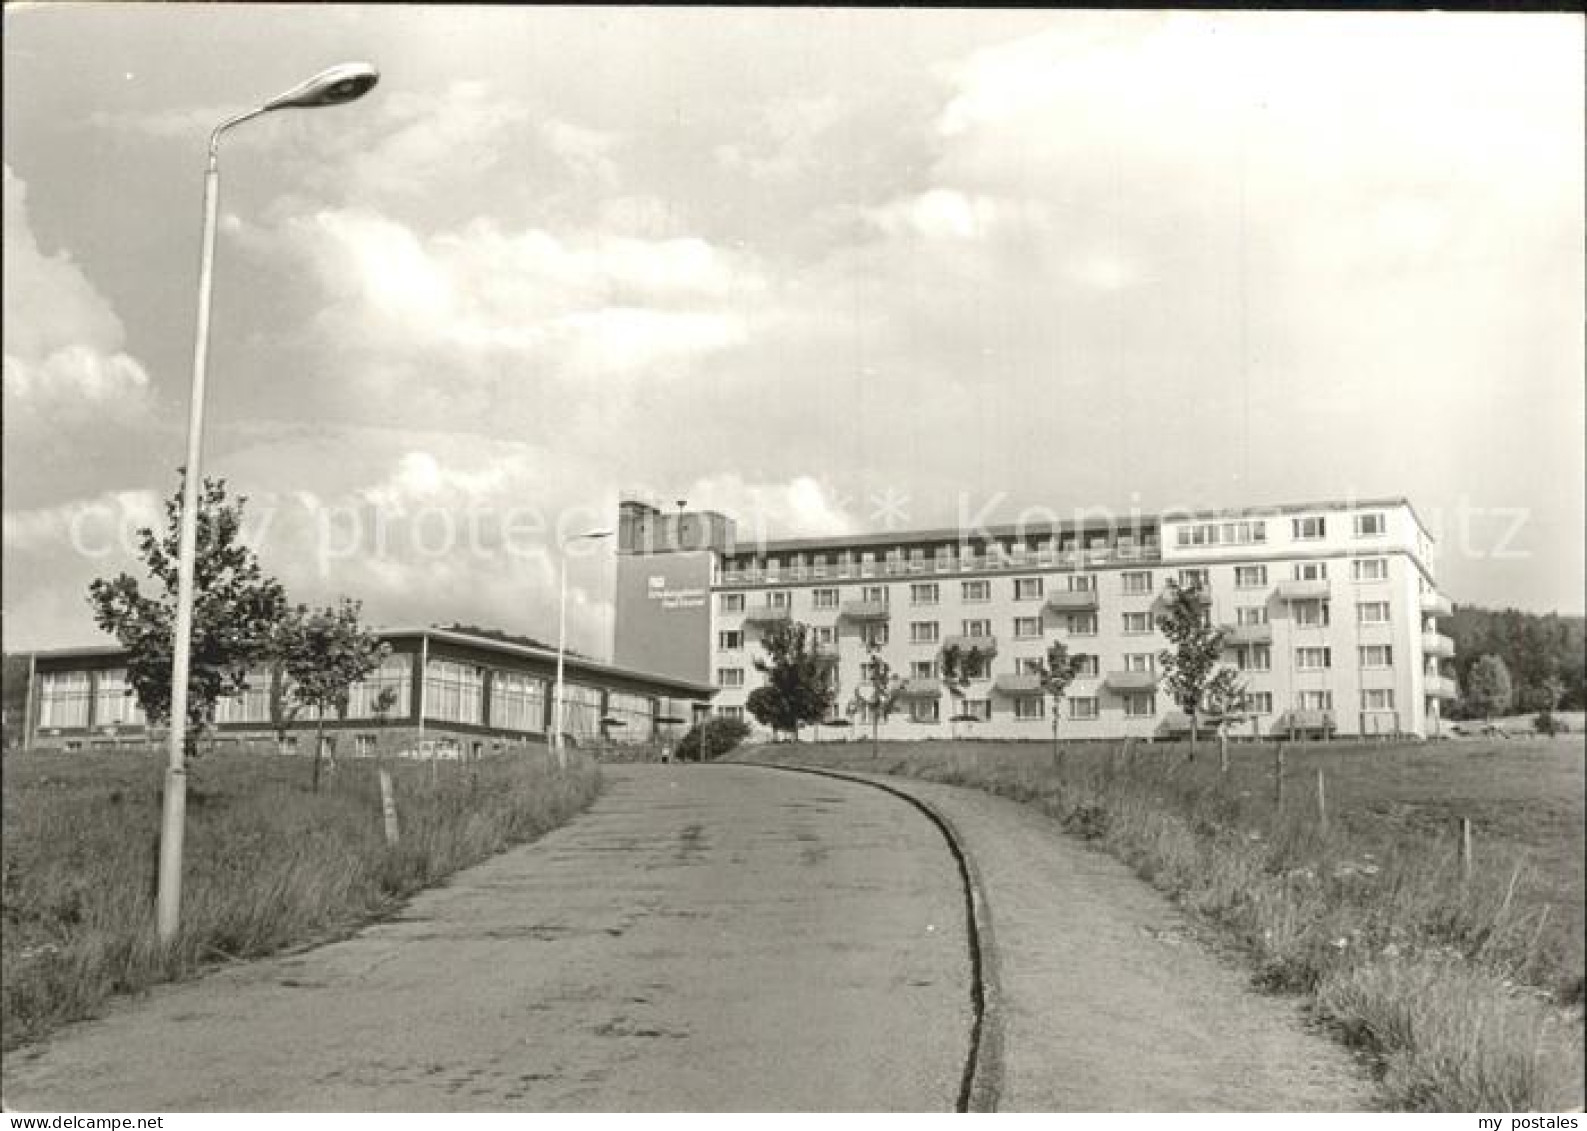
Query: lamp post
[
  {"x": 562, "y": 643},
  {"x": 339, "y": 84}
]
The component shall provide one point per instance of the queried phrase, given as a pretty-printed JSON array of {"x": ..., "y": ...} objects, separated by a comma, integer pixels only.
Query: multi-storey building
[{"x": 1331, "y": 611}]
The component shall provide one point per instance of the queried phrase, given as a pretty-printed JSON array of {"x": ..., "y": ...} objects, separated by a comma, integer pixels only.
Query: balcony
[
  {"x": 1437, "y": 644},
  {"x": 865, "y": 610},
  {"x": 1309, "y": 720},
  {"x": 986, "y": 645},
  {"x": 1436, "y": 604},
  {"x": 920, "y": 689},
  {"x": 1441, "y": 687},
  {"x": 766, "y": 614},
  {"x": 826, "y": 650},
  {"x": 1073, "y": 601},
  {"x": 1303, "y": 590},
  {"x": 1235, "y": 635},
  {"x": 1021, "y": 683},
  {"x": 1131, "y": 681}
]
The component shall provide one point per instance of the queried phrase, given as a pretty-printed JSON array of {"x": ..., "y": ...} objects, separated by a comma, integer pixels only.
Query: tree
[
  {"x": 236, "y": 608},
  {"x": 1226, "y": 700},
  {"x": 1488, "y": 687},
  {"x": 1056, "y": 672},
  {"x": 332, "y": 653},
  {"x": 710, "y": 739},
  {"x": 14, "y": 685},
  {"x": 800, "y": 683},
  {"x": 1189, "y": 665},
  {"x": 876, "y": 694},
  {"x": 959, "y": 667}
]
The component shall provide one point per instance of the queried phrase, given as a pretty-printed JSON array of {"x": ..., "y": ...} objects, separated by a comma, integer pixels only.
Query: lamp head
[{"x": 341, "y": 83}]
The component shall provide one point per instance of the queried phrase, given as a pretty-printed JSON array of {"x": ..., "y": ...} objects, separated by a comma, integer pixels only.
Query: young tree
[
  {"x": 236, "y": 608},
  {"x": 1189, "y": 665},
  {"x": 876, "y": 695},
  {"x": 800, "y": 682},
  {"x": 1488, "y": 687},
  {"x": 959, "y": 667},
  {"x": 1056, "y": 672},
  {"x": 1225, "y": 699},
  {"x": 333, "y": 652}
]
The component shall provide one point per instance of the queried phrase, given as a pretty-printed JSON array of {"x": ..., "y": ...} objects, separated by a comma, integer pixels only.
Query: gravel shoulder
[{"x": 1103, "y": 1000}]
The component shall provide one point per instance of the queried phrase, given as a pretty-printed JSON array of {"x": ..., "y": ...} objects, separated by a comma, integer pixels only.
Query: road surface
[{"x": 703, "y": 939}]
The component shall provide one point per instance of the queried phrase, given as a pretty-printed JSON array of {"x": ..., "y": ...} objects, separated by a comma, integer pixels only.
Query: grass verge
[
  {"x": 268, "y": 863},
  {"x": 1466, "y": 987}
]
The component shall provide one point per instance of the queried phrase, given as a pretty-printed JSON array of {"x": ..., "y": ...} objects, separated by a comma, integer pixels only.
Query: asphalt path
[{"x": 712, "y": 938}]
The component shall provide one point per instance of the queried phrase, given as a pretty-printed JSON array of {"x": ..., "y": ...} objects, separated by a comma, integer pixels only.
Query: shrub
[
  {"x": 721, "y": 734},
  {"x": 1547, "y": 723}
]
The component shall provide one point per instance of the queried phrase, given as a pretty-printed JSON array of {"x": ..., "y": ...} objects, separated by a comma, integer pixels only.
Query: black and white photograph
[{"x": 647, "y": 559}]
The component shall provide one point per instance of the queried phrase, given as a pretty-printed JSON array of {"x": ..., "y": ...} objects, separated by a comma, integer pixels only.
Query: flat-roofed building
[
  {"x": 453, "y": 694},
  {"x": 1331, "y": 613}
]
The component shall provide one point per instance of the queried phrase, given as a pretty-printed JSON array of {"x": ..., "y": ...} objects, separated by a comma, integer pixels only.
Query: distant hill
[{"x": 1533, "y": 646}]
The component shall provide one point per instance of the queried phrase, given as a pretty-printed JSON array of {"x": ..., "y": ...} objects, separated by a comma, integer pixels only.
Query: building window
[
  {"x": 1083, "y": 708},
  {"x": 454, "y": 692},
  {"x": 1370, "y": 569},
  {"x": 1250, "y": 577},
  {"x": 779, "y": 599},
  {"x": 978, "y": 709},
  {"x": 922, "y": 669},
  {"x": 1082, "y": 583},
  {"x": 1222, "y": 534},
  {"x": 924, "y": 593},
  {"x": 925, "y": 710},
  {"x": 732, "y": 602},
  {"x": 824, "y": 598},
  {"x": 1137, "y": 581},
  {"x": 874, "y": 635},
  {"x": 977, "y": 590},
  {"x": 825, "y": 634},
  {"x": 1139, "y": 662},
  {"x": 64, "y": 699},
  {"x": 731, "y": 713},
  {"x": 363, "y": 746},
  {"x": 917, "y": 559},
  {"x": 976, "y": 628},
  {"x": 1140, "y": 705},
  {"x": 1372, "y": 525},
  {"x": 877, "y": 594},
  {"x": 1137, "y": 623},
  {"x": 1310, "y": 571},
  {"x": 1311, "y": 614},
  {"x": 730, "y": 677},
  {"x": 1026, "y": 627},
  {"x": 1086, "y": 666},
  {"x": 729, "y": 640},
  {"x": 1377, "y": 656},
  {"x": 1372, "y": 612},
  {"x": 114, "y": 702},
  {"x": 923, "y": 632},
  {"x": 1313, "y": 659},
  {"x": 1250, "y": 615},
  {"x": 1259, "y": 702},
  {"x": 1030, "y": 707},
  {"x": 1309, "y": 529},
  {"x": 517, "y": 702},
  {"x": 1314, "y": 700},
  {"x": 1254, "y": 658},
  {"x": 1377, "y": 699},
  {"x": 1194, "y": 579},
  {"x": 1027, "y": 589},
  {"x": 1081, "y": 624},
  {"x": 395, "y": 675}
]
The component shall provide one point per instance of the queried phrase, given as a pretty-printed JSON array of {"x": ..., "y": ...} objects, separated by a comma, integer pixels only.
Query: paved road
[
  {"x": 1104, "y": 1002},
  {"x": 705, "y": 938}
]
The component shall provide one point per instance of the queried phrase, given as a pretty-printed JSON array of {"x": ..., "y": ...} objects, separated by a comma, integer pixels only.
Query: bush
[
  {"x": 722, "y": 734},
  {"x": 1547, "y": 723}
]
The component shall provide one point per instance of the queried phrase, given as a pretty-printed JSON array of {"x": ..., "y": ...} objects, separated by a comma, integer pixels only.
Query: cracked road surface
[{"x": 704, "y": 939}]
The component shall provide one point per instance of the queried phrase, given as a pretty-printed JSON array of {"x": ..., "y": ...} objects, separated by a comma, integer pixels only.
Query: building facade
[
  {"x": 450, "y": 694},
  {"x": 1331, "y": 611}
]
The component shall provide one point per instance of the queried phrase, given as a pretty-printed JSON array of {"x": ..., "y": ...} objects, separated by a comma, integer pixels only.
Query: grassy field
[
  {"x": 1468, "y": 988},
  {"x": 268, "y": 863}
]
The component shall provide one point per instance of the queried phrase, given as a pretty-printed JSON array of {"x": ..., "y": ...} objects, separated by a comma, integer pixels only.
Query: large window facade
[
  {"x": 252, "y": 704},
  {"x": 114, "y": 702},
  {"x": 395, "y": 675},
  {"x": 517, "y": 702},
  {"x": 454, "y": 692},
  {"x": 64, "y": 699}
]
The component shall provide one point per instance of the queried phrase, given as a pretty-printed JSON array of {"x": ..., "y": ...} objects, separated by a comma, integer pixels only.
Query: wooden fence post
[
  {"x": 1322, "y": 803},
  {"x": 1278, "y": 773},
  {"x": 388, "y": 806},
  {"x": 1465, "y": 850}
]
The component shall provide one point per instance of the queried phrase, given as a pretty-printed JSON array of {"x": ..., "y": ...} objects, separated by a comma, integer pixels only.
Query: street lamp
[
  {"x": 562, "y": 643},
  {"x": 340, "y": 84}
]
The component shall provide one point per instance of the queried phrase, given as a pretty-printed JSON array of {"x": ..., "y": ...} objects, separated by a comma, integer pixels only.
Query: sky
[{"x": 825, "y": 271}]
